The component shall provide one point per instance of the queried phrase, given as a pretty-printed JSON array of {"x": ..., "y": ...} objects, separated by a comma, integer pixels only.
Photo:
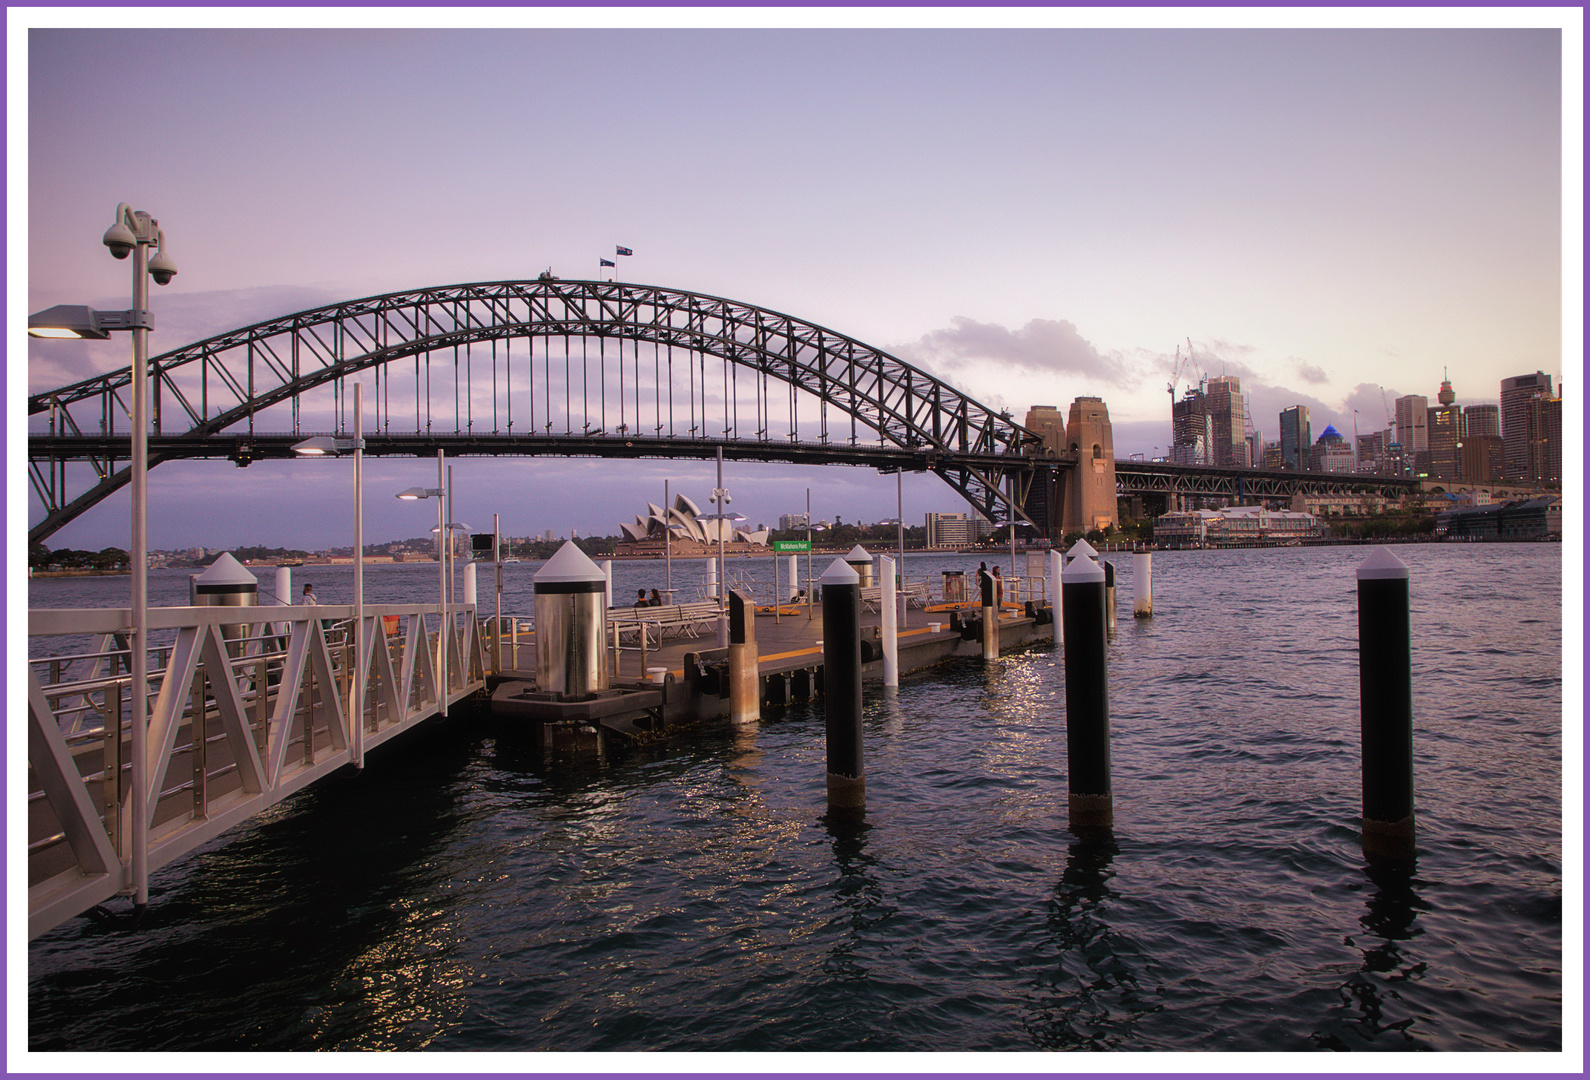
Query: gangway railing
[{"x": 245, "y": 706}]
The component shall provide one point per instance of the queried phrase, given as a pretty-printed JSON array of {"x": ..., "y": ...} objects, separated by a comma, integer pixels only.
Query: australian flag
[
  {"x": 625, "y": 251},
  {"x": 604, "y": 262}
]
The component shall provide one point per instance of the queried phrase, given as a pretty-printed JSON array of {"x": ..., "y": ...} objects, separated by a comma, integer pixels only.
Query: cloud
[
  {"x": 1311, "y": 373},
  {"x": 1041, "y": 347}
]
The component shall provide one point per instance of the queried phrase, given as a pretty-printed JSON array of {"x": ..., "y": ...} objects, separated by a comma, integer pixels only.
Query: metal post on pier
[
  {"x": 1091, "y": 801},
  {"x": 847, "y": 787},
  {"x": 744, "y": 701},
  {"x": 1385, "y": 687},
  {"x": 891, "y": 624}
]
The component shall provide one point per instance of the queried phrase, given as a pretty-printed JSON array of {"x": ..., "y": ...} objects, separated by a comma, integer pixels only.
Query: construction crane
[{"x": 1391, "y": 420}]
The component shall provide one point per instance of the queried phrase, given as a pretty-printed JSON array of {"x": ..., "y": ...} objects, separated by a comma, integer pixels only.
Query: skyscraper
[
  {"x": 1444, "y": 426},
  {"x": 1517, "y": 433},
  {"x": 1412, "y": 421},
  {"x": 1228, "y": 421},
  {"x": 1543, "y": 413},
  {"x": 1191, "y": 433},
  {"x": 1296, "y": 437},
  {"x": 1482, "y": 420}
]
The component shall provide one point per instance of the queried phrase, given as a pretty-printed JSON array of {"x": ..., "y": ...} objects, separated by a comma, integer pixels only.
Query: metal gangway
[{"x": 240, "y": 715}]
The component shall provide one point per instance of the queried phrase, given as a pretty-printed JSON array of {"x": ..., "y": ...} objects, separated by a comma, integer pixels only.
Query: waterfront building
[
  {"x": 1296, "y": 437},
  {"x": 1412, "y": 414},
  {"x": 1236, "y": 526},
  {"x": 786, "y": 522},
  {"x": 950, "y": 530},
  {"x": 1522, "y": 519},
  {"x": 1361, "y": 504},
  {"x": 1521, "y": 433}
]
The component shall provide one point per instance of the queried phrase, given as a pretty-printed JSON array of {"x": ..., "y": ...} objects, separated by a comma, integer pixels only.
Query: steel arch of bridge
[{"x": 220, "y": 397}]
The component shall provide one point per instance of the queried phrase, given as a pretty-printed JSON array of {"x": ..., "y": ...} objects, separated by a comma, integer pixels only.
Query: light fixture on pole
[
  {"x": 327, "y": 446},
  {"x": 721, "y": 498},
  {"x": 437, "y": 493},
  {"x": 132, "y": 233}
]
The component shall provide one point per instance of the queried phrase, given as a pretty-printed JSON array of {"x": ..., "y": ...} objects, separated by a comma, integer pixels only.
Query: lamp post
[
  {"x": 133, "y": 233},
  {"x": 721, "y": 498},
  {"x": 323, "y": 445},
  {"x": 437, "y": 493}
]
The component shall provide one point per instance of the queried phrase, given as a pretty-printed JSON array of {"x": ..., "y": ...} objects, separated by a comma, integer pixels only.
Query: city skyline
[{"x": 1031, "y": 216}]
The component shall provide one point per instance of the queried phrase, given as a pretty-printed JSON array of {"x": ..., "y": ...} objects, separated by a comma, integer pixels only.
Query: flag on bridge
[
  {"x": 625, "y": 251},
  {"x": 607, "y": 263}
]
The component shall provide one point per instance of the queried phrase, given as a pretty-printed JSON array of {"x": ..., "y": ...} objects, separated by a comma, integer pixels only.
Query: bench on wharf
[
  {"x": 666, "y": 621},
  {"x": 916, "y": 595}
]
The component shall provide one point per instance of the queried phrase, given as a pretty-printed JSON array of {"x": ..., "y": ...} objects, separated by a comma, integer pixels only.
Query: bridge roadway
[{"x": 276, "y": 695}]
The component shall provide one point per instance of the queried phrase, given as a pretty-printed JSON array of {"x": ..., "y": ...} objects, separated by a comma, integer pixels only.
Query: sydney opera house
[{"x": 687, "y": 530}]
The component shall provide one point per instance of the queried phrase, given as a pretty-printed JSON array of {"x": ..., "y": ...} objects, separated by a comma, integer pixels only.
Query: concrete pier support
[
  {"x": 1092, "y": 802},
  {"x": 1057, "y": 564},
  {"x": 1143, "y": 585},
  {"x": 1385, "y": 687},
  {"x": 847, "y": 788},
  {"x": 1109, "y": 596},
  {"x": 744, "y": 695}
]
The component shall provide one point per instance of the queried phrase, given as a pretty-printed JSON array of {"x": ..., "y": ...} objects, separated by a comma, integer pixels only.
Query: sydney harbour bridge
[{"x": 591, "y": 369}]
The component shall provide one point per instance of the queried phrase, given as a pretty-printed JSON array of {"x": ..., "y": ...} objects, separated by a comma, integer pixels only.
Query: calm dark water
[{"x": 459, "y": 894}]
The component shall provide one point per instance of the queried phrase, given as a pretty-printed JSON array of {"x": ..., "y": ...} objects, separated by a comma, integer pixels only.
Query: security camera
[
  {"x": 120, "y": 246},
  {"x": 162, "y": 268}
]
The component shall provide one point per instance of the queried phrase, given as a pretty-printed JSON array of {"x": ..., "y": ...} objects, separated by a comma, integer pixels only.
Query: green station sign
[{"x": 782, "y": 546}]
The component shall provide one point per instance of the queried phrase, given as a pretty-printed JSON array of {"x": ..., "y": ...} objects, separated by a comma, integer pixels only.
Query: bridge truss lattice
[{"x": 577, "y": 368}]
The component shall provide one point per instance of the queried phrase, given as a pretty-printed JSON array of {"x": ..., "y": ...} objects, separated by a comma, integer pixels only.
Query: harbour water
[{"x": 462, "y": 894}]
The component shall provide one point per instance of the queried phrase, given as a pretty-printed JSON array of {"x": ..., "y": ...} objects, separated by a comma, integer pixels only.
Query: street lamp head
[
  {"x": 69, "y": 321},
  {"x": 410, "y": 494},
  {"x": 317, "y": 446}
]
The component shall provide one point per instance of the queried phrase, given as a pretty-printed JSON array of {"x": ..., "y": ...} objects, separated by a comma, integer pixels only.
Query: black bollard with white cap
[
  {"x": 745, "y": 704},
  {"x": 847, "y": 788},
  {"x": 1092, "y": 804},
  {"x": 1385, "y": 688},
  {"x": 985, "y": 586}
]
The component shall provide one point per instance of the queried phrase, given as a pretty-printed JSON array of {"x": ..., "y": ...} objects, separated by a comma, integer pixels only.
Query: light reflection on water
[{"x": 693, "y": 895}]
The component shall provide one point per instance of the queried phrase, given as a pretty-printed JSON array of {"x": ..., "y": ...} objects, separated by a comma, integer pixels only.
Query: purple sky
[{"x": 1032, "y": 214}]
